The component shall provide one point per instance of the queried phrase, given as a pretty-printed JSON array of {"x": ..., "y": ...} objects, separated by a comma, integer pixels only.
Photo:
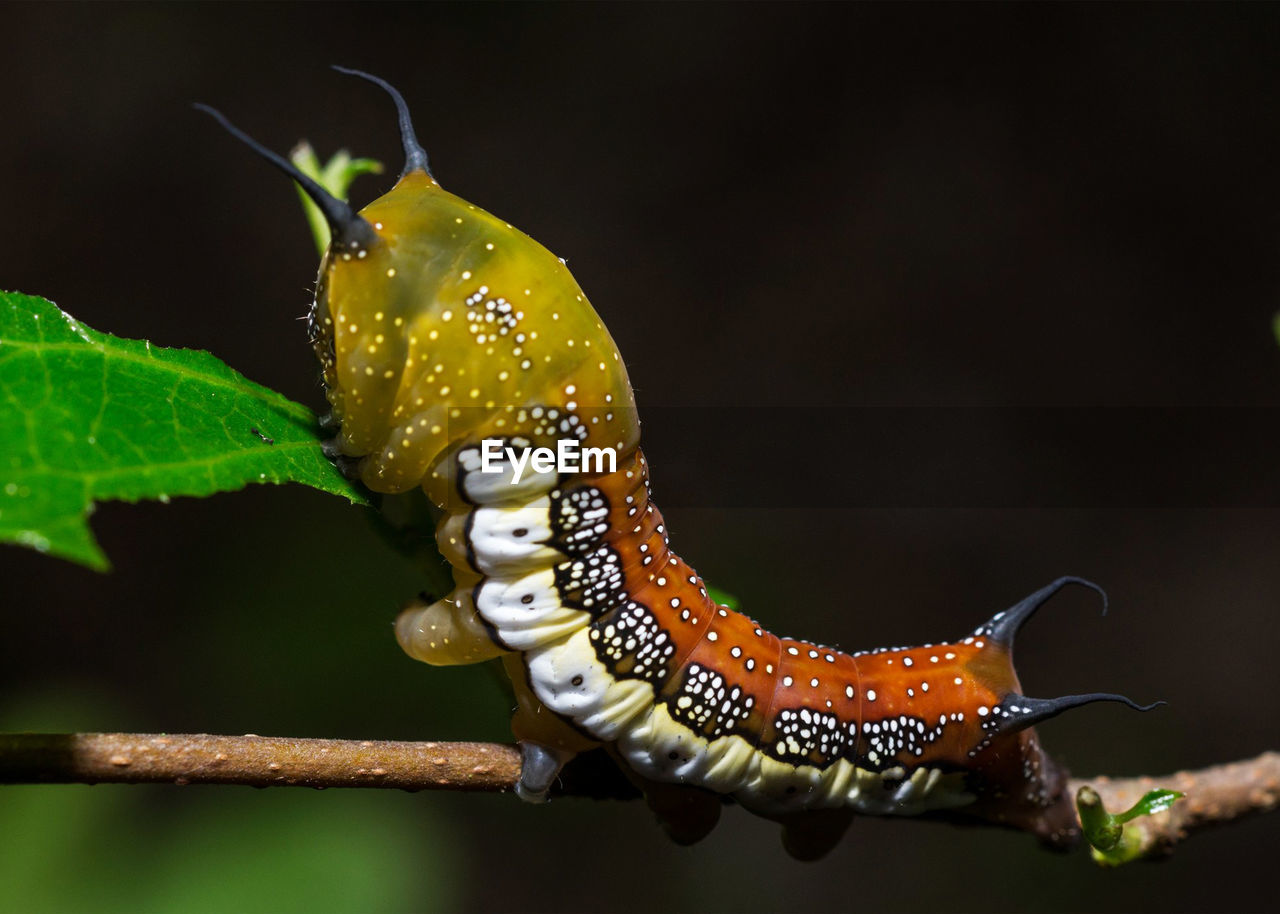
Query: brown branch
[
  {"x": 1215, "y": 795},
  {"x": 256, "y": 761}
]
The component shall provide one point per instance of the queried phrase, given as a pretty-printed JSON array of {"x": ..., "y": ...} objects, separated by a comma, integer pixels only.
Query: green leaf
[
  {"x": 335, "y": 176},
  {"x": 1153, "y": 802},
  {"x": 87, "y": 417}
]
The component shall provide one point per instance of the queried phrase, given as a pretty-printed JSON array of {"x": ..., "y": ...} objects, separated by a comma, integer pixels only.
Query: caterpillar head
[{"x": 437, "y": 324}]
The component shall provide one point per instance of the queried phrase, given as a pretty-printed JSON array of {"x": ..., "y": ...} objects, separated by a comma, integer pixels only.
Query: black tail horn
[
  {"x": 1017, "y": 712},
  {"x": 1004, "y": 626}
]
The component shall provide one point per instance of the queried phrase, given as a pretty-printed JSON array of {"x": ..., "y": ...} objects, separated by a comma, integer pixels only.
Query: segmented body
[{"x": 617, "y": 635}]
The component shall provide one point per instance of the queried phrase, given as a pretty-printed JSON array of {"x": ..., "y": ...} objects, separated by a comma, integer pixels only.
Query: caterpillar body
[{"x": 439, "y": 326}]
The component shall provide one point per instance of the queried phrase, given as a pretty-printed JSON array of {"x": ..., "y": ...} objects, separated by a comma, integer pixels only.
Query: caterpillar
[{"x": 451, "y": 346}]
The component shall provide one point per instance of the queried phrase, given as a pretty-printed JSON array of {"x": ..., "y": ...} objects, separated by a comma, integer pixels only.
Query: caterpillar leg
[
  {"x": 813, "y": 834},
  {"x": 349, "y": 467},
  {"x": 547, "y": 743},
  {"x": 539, "y": 767},
  {"x": 687, "y": 814},
  {"x": 446, "y": 632}
]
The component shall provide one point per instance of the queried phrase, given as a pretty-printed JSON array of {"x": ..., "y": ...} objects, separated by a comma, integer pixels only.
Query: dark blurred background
[{"x": 911, "y": 233}]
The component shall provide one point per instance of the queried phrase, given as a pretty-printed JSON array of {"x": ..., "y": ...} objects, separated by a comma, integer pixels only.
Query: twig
[
  {"x": 256, "y": 761},
  {"x": 1216, "y": 795}
]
